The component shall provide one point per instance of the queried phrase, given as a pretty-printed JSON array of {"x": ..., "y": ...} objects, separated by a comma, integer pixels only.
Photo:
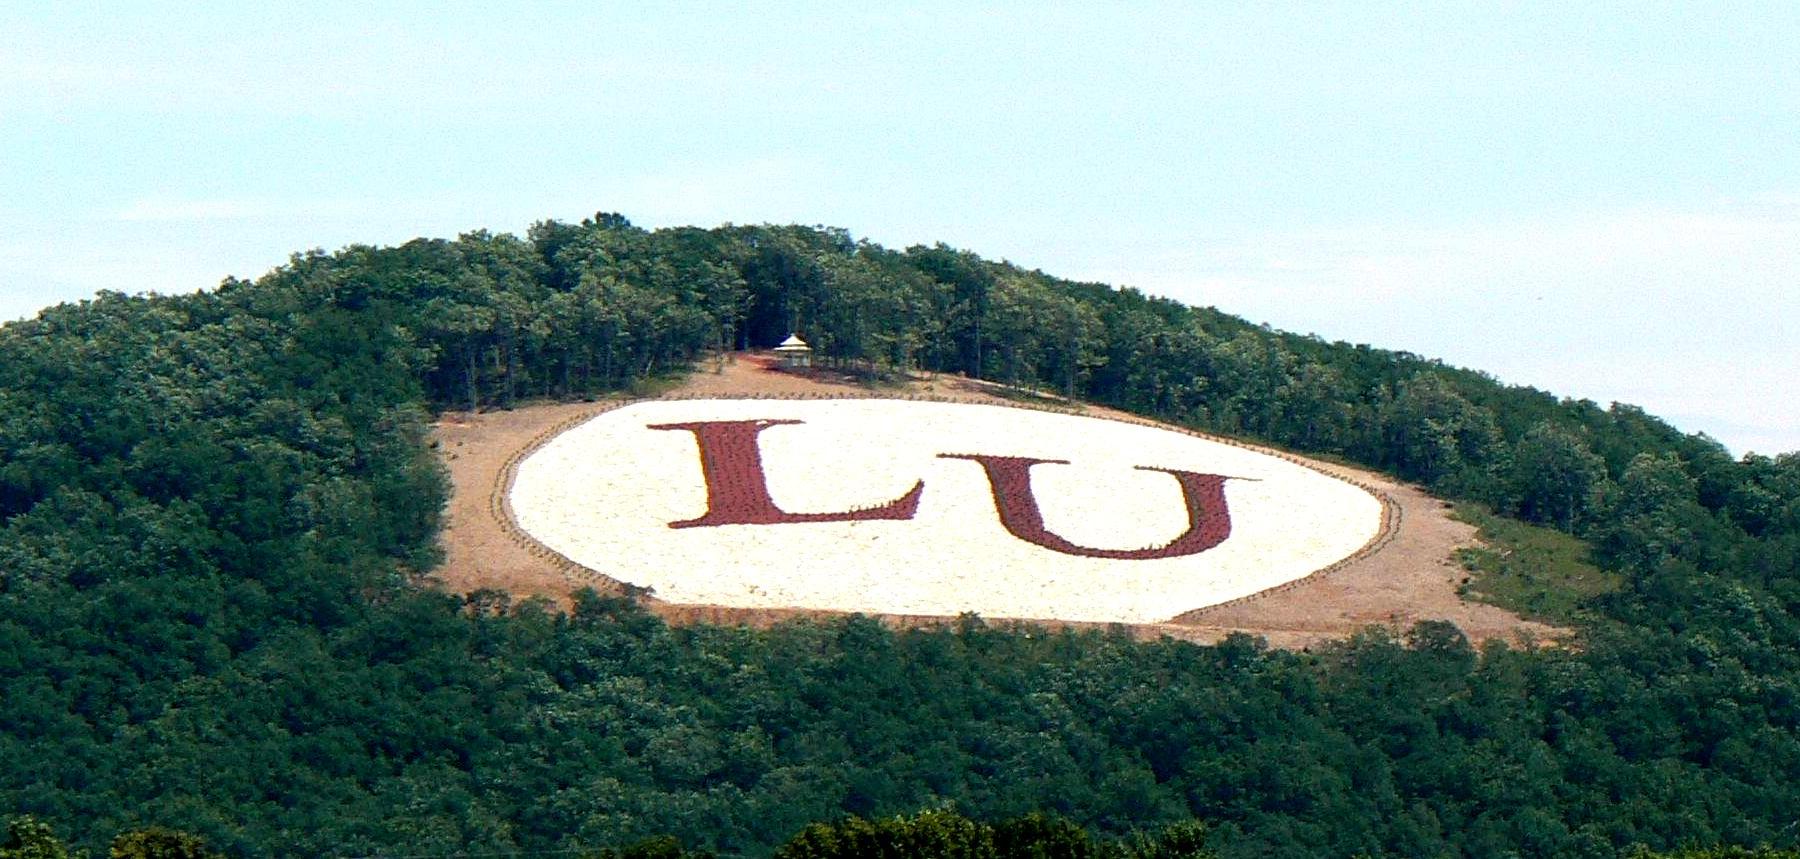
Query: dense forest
[{"x": 216, "y": 510}]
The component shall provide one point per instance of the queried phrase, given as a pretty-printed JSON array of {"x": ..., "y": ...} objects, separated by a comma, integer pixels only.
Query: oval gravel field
[{"x": 627, "y": 494}]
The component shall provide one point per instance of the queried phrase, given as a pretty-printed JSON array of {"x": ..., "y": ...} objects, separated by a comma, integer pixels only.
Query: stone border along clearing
[{"x": 500, "y": 506}]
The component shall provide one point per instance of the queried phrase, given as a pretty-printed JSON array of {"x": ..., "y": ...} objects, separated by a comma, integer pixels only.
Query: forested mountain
[{"x": 214, "y": 509}]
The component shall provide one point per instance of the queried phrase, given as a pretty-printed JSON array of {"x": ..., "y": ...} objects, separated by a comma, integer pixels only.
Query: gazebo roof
[{"x": 793, "y": 344}]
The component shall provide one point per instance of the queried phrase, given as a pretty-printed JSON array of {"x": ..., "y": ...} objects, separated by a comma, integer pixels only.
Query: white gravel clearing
[{"x": 604, "y": 493}]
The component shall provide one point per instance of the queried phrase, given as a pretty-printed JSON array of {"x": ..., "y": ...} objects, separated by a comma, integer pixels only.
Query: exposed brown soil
[{"x": 1408, "y": 574}]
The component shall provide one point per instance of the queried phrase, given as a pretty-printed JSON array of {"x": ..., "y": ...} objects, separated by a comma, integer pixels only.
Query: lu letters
[{"x": 737, "y": 493}]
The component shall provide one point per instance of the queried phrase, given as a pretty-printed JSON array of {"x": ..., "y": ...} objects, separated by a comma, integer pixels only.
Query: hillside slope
[{"x": 217, "y": 511}]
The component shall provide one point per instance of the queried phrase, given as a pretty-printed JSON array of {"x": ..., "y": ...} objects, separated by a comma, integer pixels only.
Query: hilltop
[{"x": 225, "y": 605}]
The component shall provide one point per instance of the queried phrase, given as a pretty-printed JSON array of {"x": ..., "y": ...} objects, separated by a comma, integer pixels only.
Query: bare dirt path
[{"x": 1410, "y": 576}]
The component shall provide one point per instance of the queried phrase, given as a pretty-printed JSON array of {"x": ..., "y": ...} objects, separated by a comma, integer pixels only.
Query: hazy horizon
[{"x": 1602, "y": 202}]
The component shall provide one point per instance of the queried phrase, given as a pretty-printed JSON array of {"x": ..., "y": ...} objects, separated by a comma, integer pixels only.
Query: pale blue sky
[{"x": 1600, "y": 200}]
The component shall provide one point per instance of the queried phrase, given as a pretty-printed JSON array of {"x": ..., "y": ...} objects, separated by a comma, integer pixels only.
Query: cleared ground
[{"x": 1410, "y": 574}]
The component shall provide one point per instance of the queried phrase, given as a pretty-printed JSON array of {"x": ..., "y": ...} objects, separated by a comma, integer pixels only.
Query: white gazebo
[{"x": 794, "y": 352}]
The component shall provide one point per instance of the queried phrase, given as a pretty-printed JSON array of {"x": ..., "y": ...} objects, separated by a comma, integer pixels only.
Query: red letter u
[{"x": 1209, "y": 520}]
